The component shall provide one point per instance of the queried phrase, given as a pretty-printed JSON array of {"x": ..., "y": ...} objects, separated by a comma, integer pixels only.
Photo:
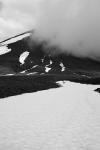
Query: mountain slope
[{"x": 26, "y": 67}]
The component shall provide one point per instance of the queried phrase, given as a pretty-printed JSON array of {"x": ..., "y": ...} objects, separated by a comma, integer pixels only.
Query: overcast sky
[
  {"x": 16, "y": 16},
  {"x": 73, "y": 25}
]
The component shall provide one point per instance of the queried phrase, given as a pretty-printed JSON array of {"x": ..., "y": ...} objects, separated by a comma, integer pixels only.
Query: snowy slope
[
  {"x": 3, "y": 45},
  {"x": 16, "y": 38},
  {"x": 67, "y": 118}
]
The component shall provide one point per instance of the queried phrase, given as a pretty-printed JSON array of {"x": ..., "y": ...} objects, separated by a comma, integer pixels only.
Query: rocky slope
[{"x": 26, "y": 67}]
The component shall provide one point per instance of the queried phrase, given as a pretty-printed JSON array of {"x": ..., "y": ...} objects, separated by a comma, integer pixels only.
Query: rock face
[
  {"x": 27, "y": 67},
  {"x": 37, "y": 60}
]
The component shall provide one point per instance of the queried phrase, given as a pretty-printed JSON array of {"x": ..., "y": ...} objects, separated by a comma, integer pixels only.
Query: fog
[{"x": 73, "y": 26}]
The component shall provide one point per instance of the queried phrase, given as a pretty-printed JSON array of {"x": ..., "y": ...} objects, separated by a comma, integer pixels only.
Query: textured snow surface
[
  {"x": 67, "y": 118},
  {"x": 15, "y": 39}
]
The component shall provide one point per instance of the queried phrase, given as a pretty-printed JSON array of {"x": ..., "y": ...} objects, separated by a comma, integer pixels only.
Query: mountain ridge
[
  {"x": 37, "y": 55},
  {"x": 28, "y": 68}
]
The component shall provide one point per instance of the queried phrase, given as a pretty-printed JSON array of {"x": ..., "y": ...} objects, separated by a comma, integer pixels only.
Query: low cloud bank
[{"x": 71, "y": 25}]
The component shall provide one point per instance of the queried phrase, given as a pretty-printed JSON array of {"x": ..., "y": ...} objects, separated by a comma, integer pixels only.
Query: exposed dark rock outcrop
[{"x": 41, "y": 70}]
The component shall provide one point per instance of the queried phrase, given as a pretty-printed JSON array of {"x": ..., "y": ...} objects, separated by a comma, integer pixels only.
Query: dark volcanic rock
[
  {"x": 37, "y": 56},
  {"x": 97, "y": 90},
  {"x": 41, "y": 70},
  {"x": 14, "y": 85}
]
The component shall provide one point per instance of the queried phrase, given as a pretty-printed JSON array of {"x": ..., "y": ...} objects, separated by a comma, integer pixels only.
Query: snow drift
[{"x": 63, "y": 118}]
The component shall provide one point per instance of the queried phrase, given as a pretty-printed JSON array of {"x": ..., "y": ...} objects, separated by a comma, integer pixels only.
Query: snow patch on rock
[
  {"x": 4, "y": 50},
  {"x": 47, "y": 69},
  {"x": 23, "y": 57},
  {"x": 15, "y": 39},
  {"x": 62, "y": 67}
]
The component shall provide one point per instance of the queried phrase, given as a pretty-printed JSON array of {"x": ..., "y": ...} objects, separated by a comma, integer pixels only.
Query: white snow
[
  {"x": 7, "y": 75},
  {"x": 62, "y": 67},
  {"x": 15, "y": 39},
  {"x": 67, "y": 118},
  {"x": 34, "y": 66},
  {"x": 32, "y": 73},
  {"x": 51, "y": 62},
  {"x": 23, "y": 56},
  {"x": 23, "y": 71},
  {"x": 47, "y": 69},
  {"x": 4, "y": 50}
]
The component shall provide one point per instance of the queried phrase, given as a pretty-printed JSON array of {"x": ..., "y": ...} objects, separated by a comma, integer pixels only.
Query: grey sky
[{"x": 73, "y": 25}]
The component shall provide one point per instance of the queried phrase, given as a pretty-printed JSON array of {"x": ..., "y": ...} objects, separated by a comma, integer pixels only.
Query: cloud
[
  {"x": 16, "y": 16},
  {"x": 71, "y": 25}
]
